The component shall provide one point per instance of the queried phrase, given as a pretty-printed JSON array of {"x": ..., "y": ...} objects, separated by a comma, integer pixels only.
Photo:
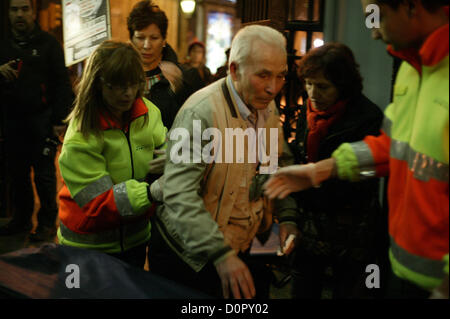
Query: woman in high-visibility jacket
[{"x": 112, "y": 135}]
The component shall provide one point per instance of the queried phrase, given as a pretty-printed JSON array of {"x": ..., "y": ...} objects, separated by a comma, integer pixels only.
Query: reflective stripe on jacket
[
  {"x": 103, "y": 203},
  {"x": 411, "y": 149}
]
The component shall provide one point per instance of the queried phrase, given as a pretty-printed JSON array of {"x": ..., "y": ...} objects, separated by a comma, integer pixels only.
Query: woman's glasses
[{"x": 121, "y": 88}]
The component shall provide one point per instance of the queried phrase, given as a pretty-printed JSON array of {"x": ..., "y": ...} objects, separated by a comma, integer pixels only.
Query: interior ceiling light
[{"x": 188, "y": 6}]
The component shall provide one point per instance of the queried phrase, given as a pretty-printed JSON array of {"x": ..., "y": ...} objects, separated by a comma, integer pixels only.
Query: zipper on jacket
[{"x": 127, "y": 135}]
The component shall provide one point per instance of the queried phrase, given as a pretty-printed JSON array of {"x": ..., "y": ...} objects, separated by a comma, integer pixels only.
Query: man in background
[{"x": 36, "y": 95}]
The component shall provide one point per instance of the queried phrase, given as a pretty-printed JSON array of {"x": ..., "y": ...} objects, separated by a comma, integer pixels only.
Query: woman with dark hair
[
  {"x": 196, "y": 59},
  {"x": 113, "y": 132},
  {"x": 165, "y": 84},
  {"x": 337, "y": 220}
]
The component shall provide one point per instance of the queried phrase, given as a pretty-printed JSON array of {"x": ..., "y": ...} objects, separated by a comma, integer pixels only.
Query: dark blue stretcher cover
[{"x": 41, "y": 273}]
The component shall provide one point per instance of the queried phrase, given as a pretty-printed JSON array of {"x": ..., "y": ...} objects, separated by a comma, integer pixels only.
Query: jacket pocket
[{"x": 400, "y": 90}]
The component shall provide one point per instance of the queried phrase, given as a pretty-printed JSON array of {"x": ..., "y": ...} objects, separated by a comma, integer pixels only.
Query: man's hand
[
  {"x": 235, "y": 276},
  {"x": 156, "y": 166},
  {"x": 8, "y": 72},
  {"x": 285, "y": 231}
]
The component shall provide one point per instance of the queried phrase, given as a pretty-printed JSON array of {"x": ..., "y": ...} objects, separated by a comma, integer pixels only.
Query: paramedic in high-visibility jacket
[
  {"x": 412, "y": 149},
  {"x": 113, "y": 133}
]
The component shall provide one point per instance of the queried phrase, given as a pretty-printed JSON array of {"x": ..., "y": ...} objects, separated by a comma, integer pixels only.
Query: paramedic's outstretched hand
[
  {"x": 297, "y": 178},
  {"x": 290, "y": 179},
  {"x": 235, "y": 277}
]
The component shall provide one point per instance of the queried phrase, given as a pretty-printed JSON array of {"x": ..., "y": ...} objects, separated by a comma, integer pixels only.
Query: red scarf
[{"x": 318, "y": 123}]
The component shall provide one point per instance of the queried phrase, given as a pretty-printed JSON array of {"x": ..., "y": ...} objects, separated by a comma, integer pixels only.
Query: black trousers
[
  {"x": 165, "y": 262},
  {"x": 309, "y": 277},
  {"x": 403, "y": 289},
  {"x": 20, "y": 158},
  {"x": 134, "y": 256}
]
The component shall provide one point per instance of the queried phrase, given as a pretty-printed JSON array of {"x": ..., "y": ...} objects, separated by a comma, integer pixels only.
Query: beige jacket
[{"x": 199, "y": 197}]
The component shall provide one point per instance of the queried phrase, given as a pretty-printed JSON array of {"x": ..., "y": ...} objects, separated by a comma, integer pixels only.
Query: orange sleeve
[
  {"x": 98, "y": 215},
  {"x": 380, "y": 147}
]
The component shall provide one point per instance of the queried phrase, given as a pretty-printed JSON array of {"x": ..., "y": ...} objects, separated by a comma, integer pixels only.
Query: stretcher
[{"x": 58, "y": 272}]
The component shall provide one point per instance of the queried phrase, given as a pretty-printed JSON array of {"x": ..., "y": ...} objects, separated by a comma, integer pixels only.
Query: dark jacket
[
  {"x": 161, "y": 94},
  {"x": 194, "y": 78},
  {"x": 42, "y": 95},
  {"x": 339, "y": 217}
]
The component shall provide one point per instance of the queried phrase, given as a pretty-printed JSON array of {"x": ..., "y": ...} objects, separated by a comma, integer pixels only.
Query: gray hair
[{"x": 243, "y": 42}]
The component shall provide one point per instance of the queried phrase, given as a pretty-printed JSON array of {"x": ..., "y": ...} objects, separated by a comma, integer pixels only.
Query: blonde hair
[{"x": 117, "y": 63}]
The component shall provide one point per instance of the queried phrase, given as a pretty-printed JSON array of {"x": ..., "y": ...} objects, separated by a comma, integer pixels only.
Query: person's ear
[{"x": 234, "y": 71}]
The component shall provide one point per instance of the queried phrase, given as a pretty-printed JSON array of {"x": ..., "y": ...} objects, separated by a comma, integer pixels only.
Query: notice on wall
[{"x": 86, "y": 24}]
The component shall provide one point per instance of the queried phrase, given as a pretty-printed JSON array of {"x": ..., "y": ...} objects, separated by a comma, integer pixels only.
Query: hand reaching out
[
  {"x": 297, "y": 178},
  {"x": 290, "y": 179}
]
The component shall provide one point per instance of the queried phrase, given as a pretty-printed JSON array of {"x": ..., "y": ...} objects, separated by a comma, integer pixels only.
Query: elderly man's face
[
  {"x": 397, "y": 26},
  {"x": 21, "y": 15},
  {"x": 263, "y": 76}
]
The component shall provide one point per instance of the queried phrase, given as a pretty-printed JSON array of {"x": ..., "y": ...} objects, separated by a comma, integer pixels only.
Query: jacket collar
[
  {"x": 433, "y": 51},
  {"x": 168, "y": 54},
  {"x": 231, "y": 102},
  {"x": 242, "y": 108},
  {"x": 23, "y": 40},
  {"x": 107, "y": 122}
]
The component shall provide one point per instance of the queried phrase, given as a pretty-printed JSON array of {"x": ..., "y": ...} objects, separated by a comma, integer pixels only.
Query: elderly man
[
  {"x": 211, "y": 212},
  {"x": 412, "y": 149}
]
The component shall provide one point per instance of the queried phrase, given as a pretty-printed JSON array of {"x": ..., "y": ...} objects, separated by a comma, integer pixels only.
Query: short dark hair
[
  {"x": 429, "y": 5},
  {"x": 31, "y": 2},
  {"x": 145, "y": 13},
  {"x": 196, "y": 44},
  {"x": 338, "y": 65}
]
